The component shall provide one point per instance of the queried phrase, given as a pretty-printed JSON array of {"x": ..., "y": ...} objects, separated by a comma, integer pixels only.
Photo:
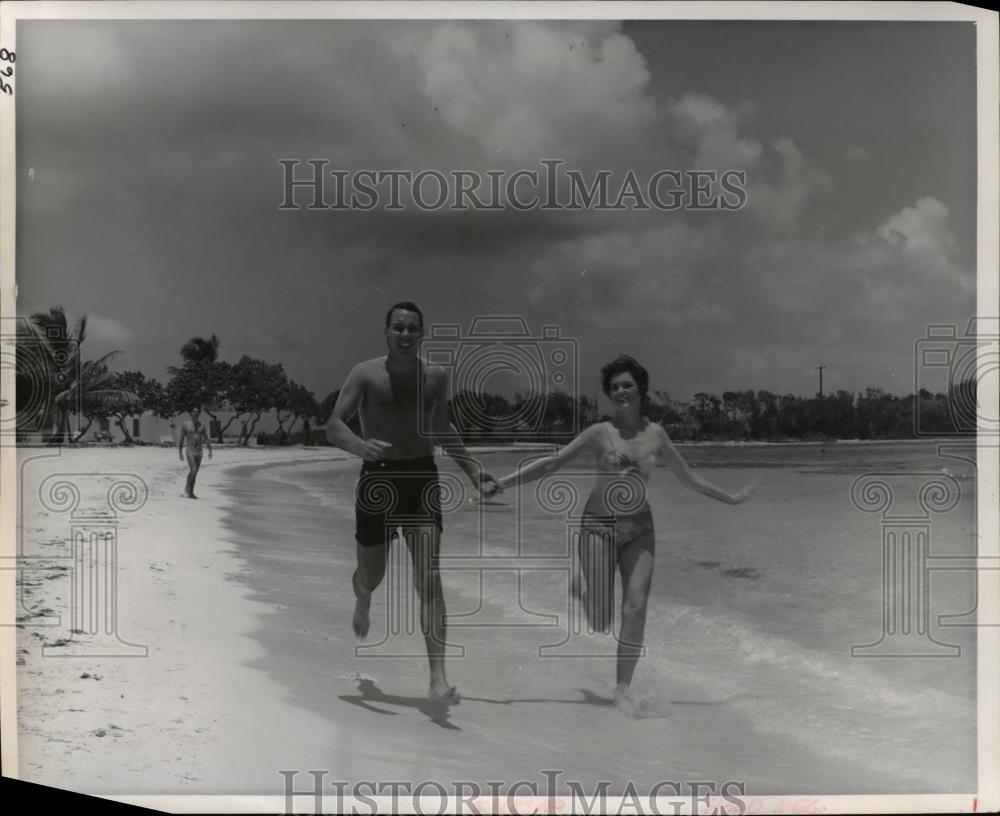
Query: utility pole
[{"x": 820, "y": 369}]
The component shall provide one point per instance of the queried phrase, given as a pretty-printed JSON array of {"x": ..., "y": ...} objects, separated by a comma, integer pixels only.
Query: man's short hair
[{"x": 406, "y": 306}]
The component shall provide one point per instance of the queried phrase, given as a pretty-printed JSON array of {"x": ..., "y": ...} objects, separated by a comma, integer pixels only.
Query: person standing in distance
[{"x": 195, "y": 434}]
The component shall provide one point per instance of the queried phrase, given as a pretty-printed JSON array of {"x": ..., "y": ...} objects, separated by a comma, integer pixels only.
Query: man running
[
  {"x": 196, "y": 435},
  {"x": 398, "y": 483}
]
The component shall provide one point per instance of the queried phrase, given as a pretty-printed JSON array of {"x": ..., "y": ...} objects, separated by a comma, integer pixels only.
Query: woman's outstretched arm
[
  {"x": 672, "y": 458},
  {"x": 550, "y": 464}
]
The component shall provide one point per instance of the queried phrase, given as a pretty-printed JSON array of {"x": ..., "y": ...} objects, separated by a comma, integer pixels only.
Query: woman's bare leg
[{"x": 636, "y": 564}]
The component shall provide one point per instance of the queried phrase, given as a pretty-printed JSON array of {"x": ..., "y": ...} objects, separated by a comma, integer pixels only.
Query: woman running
[{"x": 617, "y": 520}]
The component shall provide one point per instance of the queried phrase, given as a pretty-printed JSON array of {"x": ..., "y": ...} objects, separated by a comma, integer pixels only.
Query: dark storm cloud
[{"x": 155, "y": 185}]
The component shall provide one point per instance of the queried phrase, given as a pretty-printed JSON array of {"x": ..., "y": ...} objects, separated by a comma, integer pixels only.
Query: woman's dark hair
[
  {"x": 623, "y": 364},
  {"x": 406, "y": 306}
]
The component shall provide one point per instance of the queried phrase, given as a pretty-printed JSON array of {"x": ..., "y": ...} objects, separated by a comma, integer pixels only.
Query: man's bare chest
[{"x": 399, "y": 394}]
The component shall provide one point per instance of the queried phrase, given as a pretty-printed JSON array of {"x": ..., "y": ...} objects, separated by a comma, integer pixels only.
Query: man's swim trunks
[{"x": 394, "y": 493}]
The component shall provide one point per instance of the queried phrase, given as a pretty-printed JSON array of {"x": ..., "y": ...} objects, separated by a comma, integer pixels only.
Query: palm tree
[
  {"x": 200, "y": 378},
  {"x": 99, "y": 393},
  {"x": 48, "y": 352},
  {"x": 66, "y": 382},
  {"x": 198, "y": 350}
]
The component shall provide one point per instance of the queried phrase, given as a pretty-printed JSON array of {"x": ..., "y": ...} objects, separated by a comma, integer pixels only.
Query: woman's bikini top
[{"x": 615, "y": 461}]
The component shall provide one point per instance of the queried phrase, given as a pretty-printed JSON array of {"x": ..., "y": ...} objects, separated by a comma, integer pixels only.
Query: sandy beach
[{"x": 236, "y": 657}]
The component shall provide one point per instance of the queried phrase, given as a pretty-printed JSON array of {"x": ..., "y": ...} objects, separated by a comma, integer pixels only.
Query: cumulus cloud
[
  {"x": 919, "y": 230},
  {"x": 712, "y": 131},
  {"x": 107, "y": 331},
  {"x": 858, "y": 156},
  {"x": 780, "y": 200},
  {"x": 525, "y": 92},
  {"x": 901, "y": 272},
  {"x": 169, "y": 144},
  {"x": 780, "y": 178},
  {"x": 637, "y": 279}
]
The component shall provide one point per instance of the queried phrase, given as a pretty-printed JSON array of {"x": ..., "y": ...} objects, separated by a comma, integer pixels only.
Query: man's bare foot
[
  {"x": 442, "y": 692},
  {"x": 361, "y": 606}
]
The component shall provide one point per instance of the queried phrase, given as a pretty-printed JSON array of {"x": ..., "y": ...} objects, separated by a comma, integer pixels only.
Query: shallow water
[{"x": 752, "y": 615}]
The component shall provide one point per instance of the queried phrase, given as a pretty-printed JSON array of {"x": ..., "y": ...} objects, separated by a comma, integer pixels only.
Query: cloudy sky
[{"x": 148, "y": 190}]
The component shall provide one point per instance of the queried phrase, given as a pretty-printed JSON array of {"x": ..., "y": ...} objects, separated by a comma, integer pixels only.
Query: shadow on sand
[{"x": 372, "y": 698}]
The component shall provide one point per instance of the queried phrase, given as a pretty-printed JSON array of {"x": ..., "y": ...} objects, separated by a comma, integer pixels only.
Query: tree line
[{"x": 53, "y": 381}]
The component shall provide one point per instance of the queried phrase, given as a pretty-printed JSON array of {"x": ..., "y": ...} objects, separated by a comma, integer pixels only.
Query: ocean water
[{"x": 752, "y": 616}]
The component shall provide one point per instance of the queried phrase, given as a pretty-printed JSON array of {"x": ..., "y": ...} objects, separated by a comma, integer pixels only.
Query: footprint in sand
[
  {"x": 709, "y": 564},
  {"x": 742, "y": 572}
]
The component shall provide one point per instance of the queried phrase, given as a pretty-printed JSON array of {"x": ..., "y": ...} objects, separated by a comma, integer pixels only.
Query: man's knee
[{"x": 370, "y": 579}]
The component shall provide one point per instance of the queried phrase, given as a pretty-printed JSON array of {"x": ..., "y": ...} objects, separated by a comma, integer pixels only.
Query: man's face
[
  {"x": 402, "y": 335},
  {"x": 195, "y": 414}
]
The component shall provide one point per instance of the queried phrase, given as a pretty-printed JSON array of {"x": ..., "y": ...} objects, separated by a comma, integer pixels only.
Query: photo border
[{"x": 988, "y": 261}]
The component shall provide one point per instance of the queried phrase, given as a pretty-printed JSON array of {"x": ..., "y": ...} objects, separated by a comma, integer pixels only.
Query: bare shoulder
[
  {"x": 605, "y": 427},
  {"x": 661, "y": 434},
  {"x": 592, "y": 433},
  {"x": 435, "y": 375},
  {"x": 367, "y": 370}
]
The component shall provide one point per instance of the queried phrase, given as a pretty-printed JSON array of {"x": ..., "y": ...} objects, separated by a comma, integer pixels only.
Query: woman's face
[{"x": 623, "y": 391}]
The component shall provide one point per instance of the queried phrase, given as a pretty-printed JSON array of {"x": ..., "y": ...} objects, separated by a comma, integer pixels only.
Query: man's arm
[
  {"x": 448, "y": 437},
  {"x": 208, "y": 441},
  {"x": 347, "y": 405},
  {"x": 451, "y": 441},
  {"x": 180, "y": 442}
]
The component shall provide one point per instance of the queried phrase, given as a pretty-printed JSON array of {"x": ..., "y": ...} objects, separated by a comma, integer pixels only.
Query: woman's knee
[{"x": 634, "y": 609}]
